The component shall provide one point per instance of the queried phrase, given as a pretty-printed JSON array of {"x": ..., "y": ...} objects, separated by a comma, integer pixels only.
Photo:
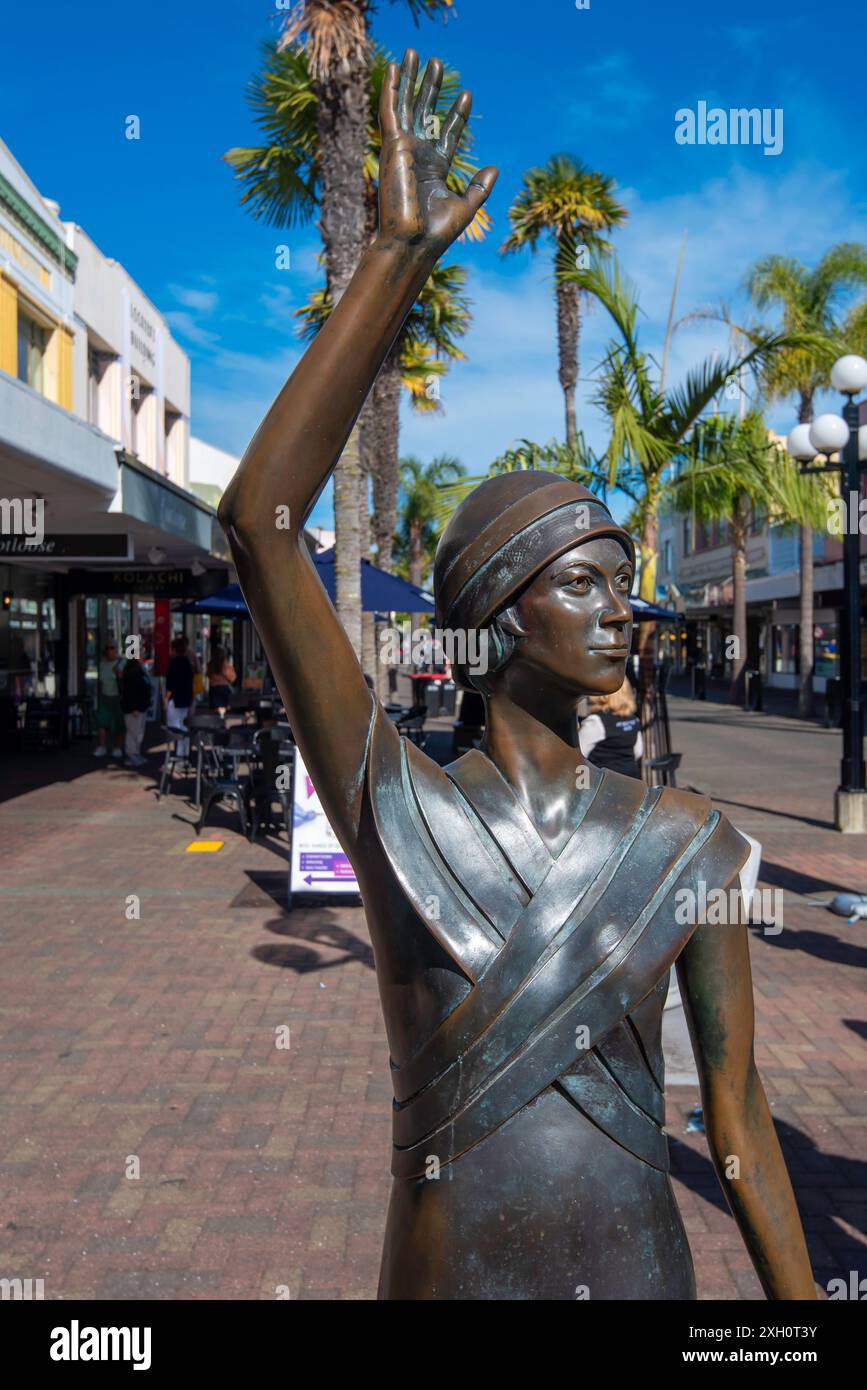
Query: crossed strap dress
[{"x": 523, "y": 996}]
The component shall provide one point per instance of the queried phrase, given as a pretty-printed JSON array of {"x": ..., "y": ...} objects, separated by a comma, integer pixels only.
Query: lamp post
[{"x": 830, "y": 434}]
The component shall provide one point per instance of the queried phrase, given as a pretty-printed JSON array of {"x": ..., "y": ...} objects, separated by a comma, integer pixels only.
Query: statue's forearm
[
  {"x": 749, "y": 1163},
  {"x": 293, "y": 452}
]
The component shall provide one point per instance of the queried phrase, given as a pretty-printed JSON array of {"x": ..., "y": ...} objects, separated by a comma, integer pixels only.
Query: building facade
[
  {"x": 694, "y": 576},
  {"x": 98, "y": 530}
]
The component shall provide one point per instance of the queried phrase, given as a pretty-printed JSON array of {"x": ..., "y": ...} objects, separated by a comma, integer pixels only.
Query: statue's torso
[{"x": 523, "y": 997}]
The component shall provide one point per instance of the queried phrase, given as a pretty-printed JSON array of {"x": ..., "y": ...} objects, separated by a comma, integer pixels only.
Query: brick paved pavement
[{"x": 155, "y": 1039}]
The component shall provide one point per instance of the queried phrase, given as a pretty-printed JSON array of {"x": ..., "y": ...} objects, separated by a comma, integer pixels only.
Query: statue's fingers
[
  {"x": 388, "y": 122},
  {"x": 478, "y": 191},
  {"x": 406, "y": 89},
  {"x": 426, "y": 100},
  {"x": 454, "y": 123}
]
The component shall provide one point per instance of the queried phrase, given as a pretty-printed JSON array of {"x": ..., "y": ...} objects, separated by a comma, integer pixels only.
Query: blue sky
[{"x": 602, "y": 83}]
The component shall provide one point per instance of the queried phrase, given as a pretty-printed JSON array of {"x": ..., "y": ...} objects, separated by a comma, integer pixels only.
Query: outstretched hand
[{"x": 415, "y": 204}]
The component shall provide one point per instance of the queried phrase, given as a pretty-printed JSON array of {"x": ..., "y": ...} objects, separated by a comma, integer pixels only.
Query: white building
[{"x": 94, "y": 433}]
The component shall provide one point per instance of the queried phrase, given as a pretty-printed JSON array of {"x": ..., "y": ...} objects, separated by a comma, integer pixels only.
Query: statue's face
[{"x": 578, "y": 619}]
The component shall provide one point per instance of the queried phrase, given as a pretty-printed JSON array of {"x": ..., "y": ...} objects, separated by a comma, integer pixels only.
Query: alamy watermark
[
  {"x": 22, "y": 516},
  {"x": 409, "y": 646},
  {"x": 729, "y": 907},
  {"x": 740, "y": 125},
  {"x": 847, "y": 518}
]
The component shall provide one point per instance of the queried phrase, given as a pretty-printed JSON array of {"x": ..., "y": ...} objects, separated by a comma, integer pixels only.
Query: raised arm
[
  {"x": 716, "y": 985},
  {"x": 297, "y": 446}
]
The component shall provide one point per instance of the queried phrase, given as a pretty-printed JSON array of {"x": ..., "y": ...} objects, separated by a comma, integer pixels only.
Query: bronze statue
[{"x": 521, "y": 903}]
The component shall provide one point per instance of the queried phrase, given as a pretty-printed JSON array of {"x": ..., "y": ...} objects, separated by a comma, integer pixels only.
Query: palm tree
[
  {"x": 649, "y": 425},
  {"x": 322, "y": 168},
  {"x": 428, "y": 342},
  {"x": 733, "y": 470},
  {"x": 810, "y": 301},
  {"x": 419, "y": 521},
  {"x": 564, "y": 197}
]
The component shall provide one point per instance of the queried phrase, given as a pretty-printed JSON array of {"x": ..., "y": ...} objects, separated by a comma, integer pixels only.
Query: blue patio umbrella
[
  {"x": 380, "y": 592},
  {"x": 650, "y": 612}
]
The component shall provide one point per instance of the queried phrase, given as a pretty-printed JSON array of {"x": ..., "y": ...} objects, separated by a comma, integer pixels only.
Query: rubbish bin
[
  {"x": 699, "y": 679},
  {"x": 449, "y": 697},
  {"x": 432, "y": 698},
  {"x": 752, "y": 689}
]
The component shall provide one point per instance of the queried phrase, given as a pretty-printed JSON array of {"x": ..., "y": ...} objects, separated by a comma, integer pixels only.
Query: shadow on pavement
[
  {"x": 770, "y": 811},
  {"x": 833, "y": 1250},
  {"x": 319, "y": 927},
  {"x": 820, "y": 945}
]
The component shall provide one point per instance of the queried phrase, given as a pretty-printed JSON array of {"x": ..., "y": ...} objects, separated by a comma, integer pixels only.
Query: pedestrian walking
[
  {"x": 135, "y": 698},
  {"x": 610, "y": 736},
  {"x": 179, "y": 690},
  {"x": 109, "y": 715}
]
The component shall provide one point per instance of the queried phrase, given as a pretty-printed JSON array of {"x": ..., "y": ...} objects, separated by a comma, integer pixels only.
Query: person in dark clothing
[
  {"x": 135, "y": 699},
  {"x": 610, "y": 736},
  {"x": 179, "y": 690}
]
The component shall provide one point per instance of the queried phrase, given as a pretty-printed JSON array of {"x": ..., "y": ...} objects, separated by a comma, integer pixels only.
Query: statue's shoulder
[{"x": 726, "y": 848}]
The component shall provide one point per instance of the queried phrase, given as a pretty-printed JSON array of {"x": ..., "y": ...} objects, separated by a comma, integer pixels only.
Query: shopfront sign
[
  {"x": 68, "y": 547},
  {"x": 318, "y": 864},
  {"x": 161, "y": 583}
]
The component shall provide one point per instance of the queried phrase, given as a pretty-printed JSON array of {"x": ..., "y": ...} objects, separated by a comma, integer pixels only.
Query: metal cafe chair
[
  {"x": 43, "y": 724},
  {"x": 229, "y": 784},
  {"x": 205, "y": 729},
  {"x": 411, "y": 725},
  {"x": 172, "y": 758},
  {"x": 275, "y": 752}
]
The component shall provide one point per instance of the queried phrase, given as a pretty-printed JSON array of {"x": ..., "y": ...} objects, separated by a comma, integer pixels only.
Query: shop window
[
  {"x": 32, "y": 349},
  {"x": 784, "y": 649},
  {"x": 826, "y": 649}
]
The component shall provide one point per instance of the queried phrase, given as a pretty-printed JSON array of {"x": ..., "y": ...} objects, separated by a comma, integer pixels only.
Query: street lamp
[{"x": 830, "y": 434}]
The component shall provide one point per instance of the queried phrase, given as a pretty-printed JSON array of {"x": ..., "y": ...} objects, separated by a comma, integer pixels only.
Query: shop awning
[
  {"x": 380, "y": 592},
  {"x": 651, "y": 613}
]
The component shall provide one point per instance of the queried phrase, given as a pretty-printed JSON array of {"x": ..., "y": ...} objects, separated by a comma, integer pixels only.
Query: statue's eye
[{"x": 581, "y": 584}]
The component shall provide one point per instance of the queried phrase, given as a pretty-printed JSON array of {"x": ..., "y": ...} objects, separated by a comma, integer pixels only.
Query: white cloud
[
  {"x": 185, "y": 325},
  {"x": 202, "y": 301}
]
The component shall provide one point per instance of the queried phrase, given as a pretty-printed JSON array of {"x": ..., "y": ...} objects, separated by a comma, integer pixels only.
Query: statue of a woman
[{"x": 525, "y": 908}]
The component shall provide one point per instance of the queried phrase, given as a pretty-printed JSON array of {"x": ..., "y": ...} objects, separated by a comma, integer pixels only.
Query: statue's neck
[{"x": 541, "y": 760}]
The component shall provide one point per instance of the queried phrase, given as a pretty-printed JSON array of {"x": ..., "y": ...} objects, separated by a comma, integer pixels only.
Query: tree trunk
[
  {"x": 647, "y": 633},
  {"x": 415, "y": 554},
  {"x": 568, "y": 326},
  {"x": 739, "y": 605},
  {"x": 805, "y": 687},
  {"x": 342, "y": 113},
  {"x": 647, "y": 590},
  {"x": 386, "y": 397}
]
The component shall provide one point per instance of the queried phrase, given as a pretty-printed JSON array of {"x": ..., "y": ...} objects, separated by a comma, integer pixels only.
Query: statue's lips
[{"x": 610, "y": 651}]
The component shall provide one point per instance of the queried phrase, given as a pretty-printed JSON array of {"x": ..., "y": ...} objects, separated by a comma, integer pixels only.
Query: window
[
  {"x": 668, "y": 558},
  {"x": 96, "y": 364},
  {"x": 687, "y": 535},
  {"x": 826, "y": 650},
  {"x": 784, "y": 654},
  {"x": 32, "y": 347}
]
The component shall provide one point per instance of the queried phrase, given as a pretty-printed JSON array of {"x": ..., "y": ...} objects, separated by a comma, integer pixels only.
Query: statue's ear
[{"x": 510, "y": 622}]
